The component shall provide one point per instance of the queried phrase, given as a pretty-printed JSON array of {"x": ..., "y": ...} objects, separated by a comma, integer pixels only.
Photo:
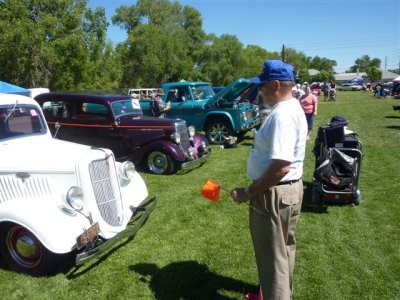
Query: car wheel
[
  {"x": 159, "y": 162},
  {"x": 218, "y": 132},
  {"x": 23, "y": 252}
]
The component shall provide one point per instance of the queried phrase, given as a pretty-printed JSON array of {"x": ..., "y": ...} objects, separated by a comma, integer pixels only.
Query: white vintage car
[{"x": 58, "y": 197}]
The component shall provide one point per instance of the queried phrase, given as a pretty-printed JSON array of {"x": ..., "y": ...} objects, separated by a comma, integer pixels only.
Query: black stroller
[{"x": 338, "y": 158}]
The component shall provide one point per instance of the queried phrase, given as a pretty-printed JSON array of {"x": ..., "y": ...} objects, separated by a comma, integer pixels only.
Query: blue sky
[{"x": 342, "y": 30}]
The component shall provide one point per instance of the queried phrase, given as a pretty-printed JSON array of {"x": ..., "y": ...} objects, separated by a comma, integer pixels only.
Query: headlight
[
  {"x": 176, "y": 137},
  {"x": 127, "y": 170},
  {"x": 191, "y": 130},
  {"x": 75, "y": 198},
  {"x": 244, "y": 117}
]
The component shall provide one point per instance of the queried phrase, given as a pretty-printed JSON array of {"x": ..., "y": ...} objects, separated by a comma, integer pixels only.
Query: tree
[
  {"x": 363, "y": 63},
  {"x": 374, "y": 74},
  {"x": 165, "y": 42},
  {"x": 224, "y": 59},
  {"x": 55, "y": 44}
]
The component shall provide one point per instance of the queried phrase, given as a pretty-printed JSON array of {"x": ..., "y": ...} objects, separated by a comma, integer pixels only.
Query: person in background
[
  {"x": 332, "y": 85},
  {"x": 297, "y": 91},
  {"x": 275, "y": 166},
  {"x": 309, "y": 103},
  {"x": 158, "y": 106},
  {"x": 325, "y": 90}
]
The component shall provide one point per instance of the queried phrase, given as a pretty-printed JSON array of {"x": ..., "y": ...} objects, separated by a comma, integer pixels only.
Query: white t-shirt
[{"x": 282, "y": 136}]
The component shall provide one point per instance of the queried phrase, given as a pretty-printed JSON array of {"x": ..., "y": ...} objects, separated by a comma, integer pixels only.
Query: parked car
[
  {"x": 160, "y": 146},
  {"x": 59, "y": 198},
  {"x": 221, "y": 116},
  {"x": 144, "y": 92},
  {"x": 350, "y": 87}
]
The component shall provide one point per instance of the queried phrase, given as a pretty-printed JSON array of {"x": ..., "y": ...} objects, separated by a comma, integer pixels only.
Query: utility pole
[
  {"x": 385, "y": 62},
  {"x": 283, "y": 53}
]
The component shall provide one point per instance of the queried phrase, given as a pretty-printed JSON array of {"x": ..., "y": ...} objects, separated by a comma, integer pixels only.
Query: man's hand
[{"x": 239, "y": 195}]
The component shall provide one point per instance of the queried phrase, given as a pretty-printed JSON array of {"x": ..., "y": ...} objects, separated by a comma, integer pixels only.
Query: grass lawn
[{"x": 192, "y": 248}]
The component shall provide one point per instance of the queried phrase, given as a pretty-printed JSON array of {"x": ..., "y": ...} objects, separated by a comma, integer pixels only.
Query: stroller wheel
[{"x": 315, "y": 196}]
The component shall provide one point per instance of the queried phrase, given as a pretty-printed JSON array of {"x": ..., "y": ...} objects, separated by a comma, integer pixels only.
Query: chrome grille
[
  {"x": 107, "y": 197},
  {"x": 183, "y": 131},
  {"x": 12, "y": 187}
]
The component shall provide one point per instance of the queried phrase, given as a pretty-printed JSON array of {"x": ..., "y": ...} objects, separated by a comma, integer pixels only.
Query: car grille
[
  {"x": 181, "y": 128},
  {"x": 12, "y": 187},
  {"x": 105, "y": 191}
]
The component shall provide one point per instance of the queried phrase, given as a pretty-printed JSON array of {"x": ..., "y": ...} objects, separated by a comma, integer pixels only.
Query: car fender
[
  {"x": 133, "y": 192},
  {"x": 169, "y": 147},
  {"x": 55, "y": 229},
  {"x": 220, "y": 114}
]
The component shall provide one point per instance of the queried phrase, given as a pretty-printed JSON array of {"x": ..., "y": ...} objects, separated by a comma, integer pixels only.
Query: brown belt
[{"x": 287, "y": 182}]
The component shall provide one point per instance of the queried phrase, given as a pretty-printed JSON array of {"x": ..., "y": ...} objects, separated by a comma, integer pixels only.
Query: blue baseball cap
[{"x": 274, "y": 70}]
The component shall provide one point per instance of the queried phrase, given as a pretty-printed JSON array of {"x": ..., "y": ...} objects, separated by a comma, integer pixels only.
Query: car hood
[
  {"x": 231, "y": 93},
  {"x": 51, "y": 155}
]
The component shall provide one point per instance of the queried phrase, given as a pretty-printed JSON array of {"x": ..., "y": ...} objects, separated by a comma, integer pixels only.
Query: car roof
[
  {"x": 12, "y": 98},
  {"x": 184, "y": 83},
  {"x": 82, "y": 96}
]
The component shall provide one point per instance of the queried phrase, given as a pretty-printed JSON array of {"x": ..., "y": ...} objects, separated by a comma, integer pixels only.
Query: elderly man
[{"x": 275, "y": 166}]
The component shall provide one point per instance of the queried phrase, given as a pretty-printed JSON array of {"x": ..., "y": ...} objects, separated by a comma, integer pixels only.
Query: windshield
[
  {"x": 20, "y": 120},
  {"x": 122, "y": 107},
  {"x": 202, "y": 92}
]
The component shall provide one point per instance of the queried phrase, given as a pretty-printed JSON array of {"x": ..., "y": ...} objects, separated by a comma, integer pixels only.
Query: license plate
[{"x": 88, "y": 235}]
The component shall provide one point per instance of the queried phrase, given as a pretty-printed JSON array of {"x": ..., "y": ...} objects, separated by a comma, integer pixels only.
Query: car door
[{"x": 184, "y": 106}]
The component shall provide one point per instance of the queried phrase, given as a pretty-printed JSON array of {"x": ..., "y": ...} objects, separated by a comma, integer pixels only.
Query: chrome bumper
[
  {"x": 139, "y": 216},
  {"x": 195, "y": 162}
]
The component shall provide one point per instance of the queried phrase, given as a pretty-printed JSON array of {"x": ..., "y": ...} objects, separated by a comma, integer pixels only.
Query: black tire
[
  {"x": 23, "y": 252},
  {"x": 159, "y": 162},
  {"x": 218, "y": 131}
]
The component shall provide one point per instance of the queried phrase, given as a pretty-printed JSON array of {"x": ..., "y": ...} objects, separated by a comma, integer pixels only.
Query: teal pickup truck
[{"x": 220, "y": 116}]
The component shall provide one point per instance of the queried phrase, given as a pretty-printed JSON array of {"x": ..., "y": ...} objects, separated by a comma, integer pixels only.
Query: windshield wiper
[{"x": 11, "y": 112}]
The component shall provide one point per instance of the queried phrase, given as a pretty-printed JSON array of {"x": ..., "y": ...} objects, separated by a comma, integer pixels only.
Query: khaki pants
[{"x": 273, "y": 219}]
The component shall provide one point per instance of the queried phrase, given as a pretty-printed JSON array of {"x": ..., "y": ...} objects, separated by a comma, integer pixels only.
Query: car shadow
[
  {"x": 73, "y": 271},
  {"x": 188, "y": 280}
]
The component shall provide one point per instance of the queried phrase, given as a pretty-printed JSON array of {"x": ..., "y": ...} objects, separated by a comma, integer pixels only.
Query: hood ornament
[{"x": 23, "y": 176}]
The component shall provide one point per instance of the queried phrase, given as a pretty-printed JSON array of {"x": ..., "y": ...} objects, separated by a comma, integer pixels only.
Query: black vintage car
[{"x": 116, "y": 122}]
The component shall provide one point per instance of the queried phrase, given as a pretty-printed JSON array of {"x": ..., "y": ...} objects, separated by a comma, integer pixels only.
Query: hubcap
[
  {"x": 219, "y": 133},
  {"x": 157, "y": 162},
  {"x": 23, "y": 247}
]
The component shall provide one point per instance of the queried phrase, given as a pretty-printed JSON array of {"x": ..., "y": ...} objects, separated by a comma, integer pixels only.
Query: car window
[
  {"x": 59, "y": 109},
  {"x": 20, "y": 120},
  {"x": 127, "y": 106}
]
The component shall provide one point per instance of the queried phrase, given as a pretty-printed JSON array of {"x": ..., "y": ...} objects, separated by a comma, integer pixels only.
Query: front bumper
[
  {"x": 196, "y": 162},
  {"x": 249, "y": 124},
  {"x": 98, "y": 247}
]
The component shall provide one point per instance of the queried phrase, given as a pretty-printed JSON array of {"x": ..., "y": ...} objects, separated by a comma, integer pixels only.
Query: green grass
[{"x": 192, "y": 248}]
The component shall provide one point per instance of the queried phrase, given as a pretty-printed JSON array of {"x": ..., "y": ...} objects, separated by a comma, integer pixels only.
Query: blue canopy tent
[
  {"x": 8, "y": 88},
  {"x": 356, "y": 80}
]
